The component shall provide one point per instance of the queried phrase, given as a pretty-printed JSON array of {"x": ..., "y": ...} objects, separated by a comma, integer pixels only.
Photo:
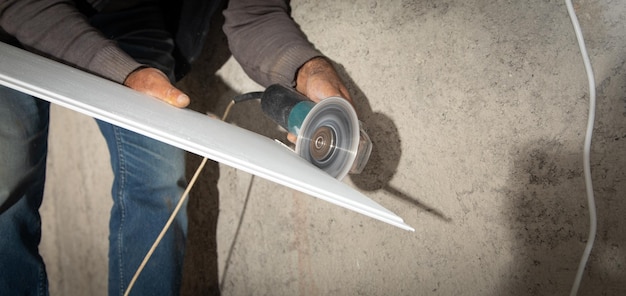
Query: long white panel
[{"x": 183, "y": 128}]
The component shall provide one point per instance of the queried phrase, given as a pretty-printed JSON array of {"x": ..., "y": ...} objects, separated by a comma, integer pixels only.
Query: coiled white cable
[{"x": 586, "y": 151}]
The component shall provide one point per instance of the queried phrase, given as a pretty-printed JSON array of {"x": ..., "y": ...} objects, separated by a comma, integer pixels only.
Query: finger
[
  {"x": 292, "y": 138},
  {"x": 319, "y": 89},
  {"x": 345, "y": 94},
  {"x": 155, "y": 83},
  {"x": 175, "y": 97},
  {"x": 159, "y": 86}
]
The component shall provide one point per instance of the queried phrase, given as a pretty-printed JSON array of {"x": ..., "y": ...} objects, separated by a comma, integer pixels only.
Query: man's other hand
[
  {"x": 318, "y": 80},
  {"x": 155, "y": 83}
]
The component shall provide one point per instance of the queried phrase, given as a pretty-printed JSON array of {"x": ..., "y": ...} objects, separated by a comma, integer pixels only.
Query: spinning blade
[{"x": 329, "y": 137}]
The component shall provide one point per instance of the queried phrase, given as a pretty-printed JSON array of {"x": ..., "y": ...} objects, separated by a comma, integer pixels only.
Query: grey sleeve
[
  {"x": 55, "y": 28},
  {"x": 266, "y": 41}
]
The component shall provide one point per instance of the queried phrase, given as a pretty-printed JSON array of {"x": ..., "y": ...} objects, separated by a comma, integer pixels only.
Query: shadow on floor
[
  {"x": 386, "y": 151},
  {"x": 549, "y": 219}
]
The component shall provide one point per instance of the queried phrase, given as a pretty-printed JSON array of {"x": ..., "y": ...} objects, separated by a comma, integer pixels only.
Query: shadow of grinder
[{"x": 329, "y": 134}]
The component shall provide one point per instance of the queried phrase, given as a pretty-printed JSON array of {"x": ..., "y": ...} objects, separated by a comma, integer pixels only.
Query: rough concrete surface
[{"x": 477, "y": 111}]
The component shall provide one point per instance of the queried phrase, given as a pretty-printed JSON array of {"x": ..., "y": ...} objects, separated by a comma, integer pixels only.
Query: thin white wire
[
  {"x": 181, "y": 201},
  {"x": 586, "y": 150}
]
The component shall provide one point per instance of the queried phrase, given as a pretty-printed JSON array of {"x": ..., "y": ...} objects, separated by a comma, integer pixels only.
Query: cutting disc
[{"x": 329, "y": 136}]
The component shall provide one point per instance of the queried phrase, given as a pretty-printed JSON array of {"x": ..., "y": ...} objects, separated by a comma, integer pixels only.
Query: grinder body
[{"x": 329, "y": 134}]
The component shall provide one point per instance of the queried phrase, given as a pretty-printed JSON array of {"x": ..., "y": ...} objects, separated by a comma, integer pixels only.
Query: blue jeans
[
  {"x": 149, "y": 179},
  {"x": 23, "y": 147}
]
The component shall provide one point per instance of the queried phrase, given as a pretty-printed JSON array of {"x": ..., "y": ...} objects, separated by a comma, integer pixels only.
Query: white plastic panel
[{"x": 183, "y": 128}]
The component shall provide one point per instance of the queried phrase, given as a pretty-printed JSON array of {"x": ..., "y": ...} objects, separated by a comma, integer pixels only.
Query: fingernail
[{"x": 182, "y": 100}]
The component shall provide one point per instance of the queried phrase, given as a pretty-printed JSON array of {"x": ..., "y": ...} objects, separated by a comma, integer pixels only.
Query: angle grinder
[{"x": 329, "y": 134}]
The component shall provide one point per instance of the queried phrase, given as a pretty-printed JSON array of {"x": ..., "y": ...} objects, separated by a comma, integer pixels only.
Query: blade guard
[{"x": 335, "y": 149}]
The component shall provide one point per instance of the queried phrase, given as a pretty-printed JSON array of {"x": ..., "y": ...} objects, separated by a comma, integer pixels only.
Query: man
[{"x": 145, "y": 45}]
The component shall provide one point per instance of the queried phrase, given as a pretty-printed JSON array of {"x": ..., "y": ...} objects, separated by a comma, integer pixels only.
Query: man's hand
[
  {"x": 155, "y": 83},
  {"x": 318, "y": 80}
]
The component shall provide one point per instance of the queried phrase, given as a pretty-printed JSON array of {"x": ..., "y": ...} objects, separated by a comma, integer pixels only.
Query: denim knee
[
  {"x": 148, "y": 182},
  {"x": 23, "y": 150},
  {"x": 23, "y": 143}
]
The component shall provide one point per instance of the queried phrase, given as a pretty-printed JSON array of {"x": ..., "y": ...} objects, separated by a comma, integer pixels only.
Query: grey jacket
[{"x": 262, "y": 36}]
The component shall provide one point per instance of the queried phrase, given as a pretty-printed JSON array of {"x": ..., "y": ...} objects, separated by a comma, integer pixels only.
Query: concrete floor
[{"x": 477, "y": 111}]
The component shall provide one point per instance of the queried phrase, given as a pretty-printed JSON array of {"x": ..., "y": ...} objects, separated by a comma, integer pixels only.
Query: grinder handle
[{"x": 278, "y": 101}]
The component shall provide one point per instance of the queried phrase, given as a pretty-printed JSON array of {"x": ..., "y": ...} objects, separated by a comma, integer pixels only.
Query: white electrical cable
[
  {"x": 179, "y": 205},
  {"x": 587, "y": 148}
]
